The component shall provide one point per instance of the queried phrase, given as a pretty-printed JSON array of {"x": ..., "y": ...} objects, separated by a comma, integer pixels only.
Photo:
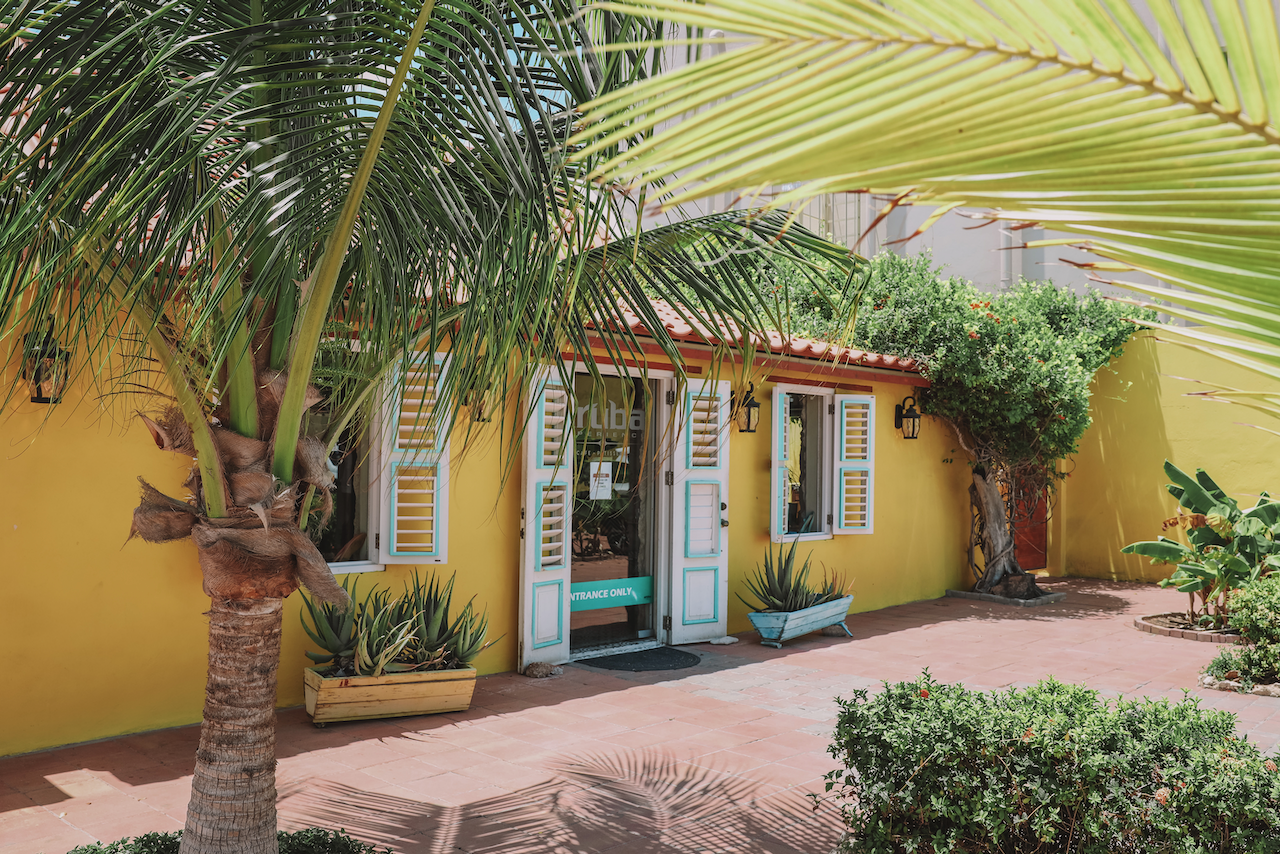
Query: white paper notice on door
[{"x": 601, "y": 475}]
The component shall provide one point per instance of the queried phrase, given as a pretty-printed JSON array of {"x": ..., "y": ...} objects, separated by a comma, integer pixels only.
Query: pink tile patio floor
[{"x": 715, "y": 758}]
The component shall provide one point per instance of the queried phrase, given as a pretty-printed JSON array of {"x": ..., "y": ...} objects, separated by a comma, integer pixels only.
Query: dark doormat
[{"x": 658, "y": 658}]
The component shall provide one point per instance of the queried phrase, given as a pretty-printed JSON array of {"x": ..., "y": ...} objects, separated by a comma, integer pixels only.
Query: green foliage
[
  {"x": 147, "y": 843},
  {"x": 381, "y": 636},
  {"x": 332, "y": 627},
  {"x": 785, "y": 588},
  {"x": 1011, "y": 370},
  {"x": 936, "y": 768},
  {"x": 1228, "y": 547},
  {"x": 1255, "y": 613},
  {"x": 385, "y": 634},
  {"x": 311, "y": 840}
]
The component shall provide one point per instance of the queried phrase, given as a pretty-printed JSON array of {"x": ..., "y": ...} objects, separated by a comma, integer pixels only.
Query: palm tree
[
  {"x": 278, "y": 204},
  {"x": 1149, "y": 129}
]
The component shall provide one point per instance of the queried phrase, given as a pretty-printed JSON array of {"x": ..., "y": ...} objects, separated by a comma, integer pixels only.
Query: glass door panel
[{"x": 611, "y": 593}]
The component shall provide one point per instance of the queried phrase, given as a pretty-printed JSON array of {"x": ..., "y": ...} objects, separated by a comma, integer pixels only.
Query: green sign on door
[{"x": 590, "y": 595}]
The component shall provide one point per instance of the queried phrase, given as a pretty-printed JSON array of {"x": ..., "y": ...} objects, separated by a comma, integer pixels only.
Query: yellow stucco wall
[
  {"x": 1115, "y": 494},
  {"x": 109, "y": 638},
  {"x": 921, "y": 514}
]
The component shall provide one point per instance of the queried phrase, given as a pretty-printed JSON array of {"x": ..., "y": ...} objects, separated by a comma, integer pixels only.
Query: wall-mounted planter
[
  {"x": 392, "y": 695},
  {"x": 778, "y": 626}
]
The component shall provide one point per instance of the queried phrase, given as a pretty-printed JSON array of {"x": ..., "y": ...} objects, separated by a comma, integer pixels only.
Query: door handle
[{"x": 724, "y": 523}]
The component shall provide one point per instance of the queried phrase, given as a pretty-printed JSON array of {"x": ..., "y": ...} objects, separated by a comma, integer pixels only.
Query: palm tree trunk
[{"x": 233, "y": 790}]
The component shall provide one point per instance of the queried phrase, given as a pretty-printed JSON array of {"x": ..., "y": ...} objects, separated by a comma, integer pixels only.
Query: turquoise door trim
[
  {"x": 533, "y": 617},
  {"x": 688, "y": 518},
  {"x": 715, "y": 594}
]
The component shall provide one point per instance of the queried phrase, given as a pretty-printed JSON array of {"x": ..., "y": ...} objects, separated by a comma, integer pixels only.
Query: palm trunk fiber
[
  {"x": 1001, "y": 563},
  {"x": 233, "y": 791}
]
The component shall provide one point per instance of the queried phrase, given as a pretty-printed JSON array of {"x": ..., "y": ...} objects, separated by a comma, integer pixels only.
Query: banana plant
[{"x": 1228, "y": 547}]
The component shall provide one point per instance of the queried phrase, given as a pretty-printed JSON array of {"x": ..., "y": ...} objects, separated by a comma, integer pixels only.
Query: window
[
  {"x": 823, "y": 463},
  {"x": 389, "y": 501},
  {"x": 345, "y": 540}
]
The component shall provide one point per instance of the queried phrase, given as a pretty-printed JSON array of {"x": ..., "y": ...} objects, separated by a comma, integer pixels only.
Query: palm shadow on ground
[{"x": 637, "y": 802}]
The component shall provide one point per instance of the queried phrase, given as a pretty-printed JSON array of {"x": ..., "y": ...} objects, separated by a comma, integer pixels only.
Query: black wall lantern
[
  {"x": 748, "y": 411},
  {"x": 44, "y": 366},
  {"x": 907, "y": 418}
]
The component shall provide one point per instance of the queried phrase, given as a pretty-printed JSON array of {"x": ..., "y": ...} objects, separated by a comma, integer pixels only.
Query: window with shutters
[
  {"x": 823, "y": 462},
  {"x": 345, "y": 542}
]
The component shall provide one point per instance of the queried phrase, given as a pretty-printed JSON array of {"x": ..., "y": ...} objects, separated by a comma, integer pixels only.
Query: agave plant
[
  {"x": 332, "y": 628},
  {"x": 781, "y": 587}
]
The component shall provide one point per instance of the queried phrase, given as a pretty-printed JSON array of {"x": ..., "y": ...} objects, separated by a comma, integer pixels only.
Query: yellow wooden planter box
[{"x": 393, "y": 695}]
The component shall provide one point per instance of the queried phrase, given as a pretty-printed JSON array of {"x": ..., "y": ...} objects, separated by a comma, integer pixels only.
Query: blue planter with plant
[{"x": 788, "y": 606}]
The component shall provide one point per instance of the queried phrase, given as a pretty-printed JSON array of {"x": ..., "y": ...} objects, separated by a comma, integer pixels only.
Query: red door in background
[{"x": 1031, "y": 531}]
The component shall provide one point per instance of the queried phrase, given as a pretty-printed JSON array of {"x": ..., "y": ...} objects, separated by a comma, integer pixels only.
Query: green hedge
[
  {"x": 311, "y": 840},
  {"x": 935, "y": 768},
  {"x": 1255, "y": 613}
]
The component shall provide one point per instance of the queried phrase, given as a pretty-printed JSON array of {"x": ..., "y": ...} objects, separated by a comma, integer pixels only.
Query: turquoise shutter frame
[
  {"x": 414, "y": 489},
  {"x": 853, "y": 480},
  {"x": 778, "y": 467}
]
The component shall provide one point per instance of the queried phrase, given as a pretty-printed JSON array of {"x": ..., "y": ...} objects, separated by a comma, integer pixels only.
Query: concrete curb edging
[
  {"x": 1268, "y": 690},
  {"x": 1046, "y": 599},
  {"x": 1141, "y": 624}
]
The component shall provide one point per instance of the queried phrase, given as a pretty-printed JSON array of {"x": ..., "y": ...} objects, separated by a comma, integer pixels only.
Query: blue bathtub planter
[{"x": 778, "y": 626}]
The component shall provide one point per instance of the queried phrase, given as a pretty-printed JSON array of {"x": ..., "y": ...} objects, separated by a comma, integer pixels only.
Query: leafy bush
[
  {"x": 311, "y": 840},
  {"x": 147, "y": 843},
  {"x": 1255, "y": 613},
  {"x": 1229, "y": 547},
  {"x": 935, "y": 768},
  {"x": 1011, "y": 371}
]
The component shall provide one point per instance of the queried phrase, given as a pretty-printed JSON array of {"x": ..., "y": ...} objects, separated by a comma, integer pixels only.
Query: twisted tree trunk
[{"x": 1001, "y": 574}]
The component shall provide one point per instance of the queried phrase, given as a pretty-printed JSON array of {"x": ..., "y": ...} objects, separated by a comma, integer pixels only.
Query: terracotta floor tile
[{"x": 715, "y": 757}]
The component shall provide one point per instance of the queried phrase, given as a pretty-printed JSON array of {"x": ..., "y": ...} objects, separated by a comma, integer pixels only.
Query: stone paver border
[
  {"x": 1046, "y": 599},
  {"x": 1141, "y": 624},
  {"x": 1270, "y": 689}
]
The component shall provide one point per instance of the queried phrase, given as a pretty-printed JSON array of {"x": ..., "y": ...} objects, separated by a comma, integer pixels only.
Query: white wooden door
[
  {"x": 700, "y": 504},
  {"x": 546, "y": 523}
]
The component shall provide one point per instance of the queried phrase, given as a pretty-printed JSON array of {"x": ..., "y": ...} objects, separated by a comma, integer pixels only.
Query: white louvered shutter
[
  {"x": 778, "y": 468},
  {"x": 853, "y": 481},
  {"x": 547, "y": 523},
  {"x": 414, "y": 480},
  {"x": 700, "y": 504}
]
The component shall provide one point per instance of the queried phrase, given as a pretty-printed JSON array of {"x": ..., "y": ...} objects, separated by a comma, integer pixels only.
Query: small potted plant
[
  {"x": 389, "y": 657},
  {"x": 789, "y": 607}
]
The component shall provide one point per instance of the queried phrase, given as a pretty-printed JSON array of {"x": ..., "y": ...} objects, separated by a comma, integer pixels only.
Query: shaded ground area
[{"x": 718, "y": 757}]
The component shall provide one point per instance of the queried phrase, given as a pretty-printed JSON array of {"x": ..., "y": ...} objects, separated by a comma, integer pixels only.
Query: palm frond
[{"x": 1144, "y": 135}]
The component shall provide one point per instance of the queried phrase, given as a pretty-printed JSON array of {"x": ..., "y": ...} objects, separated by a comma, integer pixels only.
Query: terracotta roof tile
[{"x": 680, "y": 329}]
